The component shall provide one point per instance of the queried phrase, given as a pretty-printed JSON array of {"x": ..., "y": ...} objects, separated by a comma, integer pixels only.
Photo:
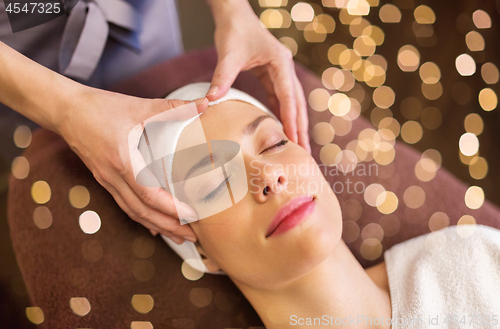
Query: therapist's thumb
[{"x": 225, "y": 73}]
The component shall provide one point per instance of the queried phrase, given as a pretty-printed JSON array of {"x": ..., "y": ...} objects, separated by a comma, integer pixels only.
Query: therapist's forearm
[
  {"x": 225, "y": 10},
  {"x": 33, "y": 90}
]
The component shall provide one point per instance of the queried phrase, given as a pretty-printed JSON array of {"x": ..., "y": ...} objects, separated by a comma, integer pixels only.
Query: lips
[{"x": 291, "y": 214}]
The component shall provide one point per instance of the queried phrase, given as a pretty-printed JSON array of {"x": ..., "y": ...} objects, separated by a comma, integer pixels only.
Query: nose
[{"x": 272, "y": 180}]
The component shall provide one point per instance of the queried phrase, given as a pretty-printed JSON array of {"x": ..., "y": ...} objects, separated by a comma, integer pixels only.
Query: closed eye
[
  {"x": 277, "y": 145},
  {"x": 217, "y": 190}
]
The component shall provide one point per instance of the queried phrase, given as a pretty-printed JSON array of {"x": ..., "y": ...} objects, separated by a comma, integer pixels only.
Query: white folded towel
[{"x": 448, "y": 278}]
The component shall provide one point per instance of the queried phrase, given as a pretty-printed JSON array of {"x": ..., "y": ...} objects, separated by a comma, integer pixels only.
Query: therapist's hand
[
  {"x": 97, "y": 128},
  {"x": 243, "y": 44}
]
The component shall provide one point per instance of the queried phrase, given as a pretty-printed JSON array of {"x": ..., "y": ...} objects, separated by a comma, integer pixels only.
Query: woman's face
[{"x": 277, "y": 170}]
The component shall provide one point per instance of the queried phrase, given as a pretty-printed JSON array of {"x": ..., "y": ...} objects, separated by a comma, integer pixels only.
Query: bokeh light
[
  {"x": 481, "y": 19},
  {"x": 424, "y": 15},
  {"x": 474, "y": 197},
  {"x": 389, "y": 13},
  {"x": 90, "y": 222},
  {"x": 408, "y": 58},
  {"x": 488, "y": 99},
  {"x": 489, "y": 73},
  {"x": 469, "y": 144},
  {"x": 465, "y": 65}
]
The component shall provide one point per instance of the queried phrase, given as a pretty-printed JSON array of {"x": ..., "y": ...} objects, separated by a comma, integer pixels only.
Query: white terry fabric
[
  {"x": 443, "y": 273},
  {"x": 163, "y": 138}
]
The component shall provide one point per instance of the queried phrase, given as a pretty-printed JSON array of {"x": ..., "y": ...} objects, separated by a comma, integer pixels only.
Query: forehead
[{"x": 223, "y": 121}]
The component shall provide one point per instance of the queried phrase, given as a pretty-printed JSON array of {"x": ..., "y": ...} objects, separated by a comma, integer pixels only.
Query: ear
[{"x": 210, "y": 264}]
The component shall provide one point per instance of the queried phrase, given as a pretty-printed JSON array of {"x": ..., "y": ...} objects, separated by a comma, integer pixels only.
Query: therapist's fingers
[
  {"x": 226, "y": 71},
  {"x": 302, "y": 117},
  {"x": 281, "y": 75}
]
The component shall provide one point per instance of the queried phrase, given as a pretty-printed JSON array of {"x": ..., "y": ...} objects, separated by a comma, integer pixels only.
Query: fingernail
[
  {"x": 190, "y": 238},
  {"x": 186, "y": 212},
  {"x": 213, "y": 90},
  {"x": 200, "y": 101},
  {"x": 177, "y": 239}
]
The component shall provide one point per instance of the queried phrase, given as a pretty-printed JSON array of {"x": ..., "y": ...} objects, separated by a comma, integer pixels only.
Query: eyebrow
[
  {"x": 252, "y": 126},
  {"x": 248, "y": 130}
]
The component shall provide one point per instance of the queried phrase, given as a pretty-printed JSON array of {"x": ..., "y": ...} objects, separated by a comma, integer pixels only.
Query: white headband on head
[{"x": 167, "y": 134}]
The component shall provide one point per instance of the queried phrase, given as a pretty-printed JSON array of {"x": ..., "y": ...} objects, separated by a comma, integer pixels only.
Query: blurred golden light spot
[
  {"x": 466, "y": 226},
  {"x": 488, "y": 99},
  {"x": 35, "y": 314},
  {"x": 190, "y": 272},
  {"x": 334, "y": 53},
  {"x": 302, "y": 12},
  {"x": 90, "y": 222},
  {"x": 478, "y": 168},
  {"x": 346, "y": 161},
  {"x": 80, "y": 305},
  {"x": 364, "y": 46},
  {"x": 438, "y": 220},
  {"x": 355, "y": 110},
  {"x": 40, "y": 192},
  {"x": 143, "y": 247},
  {"x": 20, "y": 167},
  {"x": 378, "y": 114},
  {"x": 357, "y": 26},
  {"x": 386, "y": 136},
  {"x": 466, "y": 66},
  {"x": 340, "y": 125},
  {"x": 22, "y": 136},
  {"x": 371, "y": 249},
  {"x": 375, "y": 33},
  {"x": 489, "y": 72},
  {"x": 411, "y": 108},
  {"x": 474, "y": 124},
  {"x": 391, "y": 124},
  {"x": 323, "y": 133},
  {"x": 414, "y": 197},
  {"x": 389, "y": 203},
  {"x": 422, "y": 30},
  {"x": 474, "y": 197},
  {"x": 142, "y": 303},
  {"x": 411, "y": 132},
  {"x": 469, "y": 144},
  {"x": 434, "y": 156},
  {"x": 474, "y": 41},
  {"x": 143, "y": 270},
  {"x": 374, "y": 80},
  {"x": 326, "y": 21},
  {"x": 384, "y": 153},
  {"x": 327, "y": 79},
  {"x": 422, "y": 174},
  {"x": 348, "y": 58},
  {"x": 466, "y": 159},
  {"x": 141, "y": 325},
  {"x": 481, "y": 19},
  {"x": 377, "y": 60},
  {"x": 431, "y": 118},
  {"x": 430, "y": 73},
  {"x": 372, "y": 231},
  {"x": 424, "y": 15},
  {"x": 42, "y": 217},
  {"x": 350, "y": 231},
  {"x": 358, "y": 7},
  {"x": 390, "y": 224},
  {"x": 318, "y": 99},
  {"x": 92, "y": 250},
  {"x": 315, "y": 32},
  {"x": 373, "y": 3},
  {"x": 351, "y": 210},
  {"x": 273, "y": 3},
  {"x": 408, "y": 58},
  {"x": 346, "y": 18},
  {"x": 372, "y": 193},
  {"x": 343, "y": 80},
  {"x": 435, "y": 241},
  {"x": 461, "y": 93},
  {"x": 384, "y": 96},
  {"x": 201, "y": 297},
  {"x": 390, "y": 14},
  {"x": 274, "y": 18},
  {"x": 291, "y": 44},
  {"x": 433, "y": 91},
  {"x": 339, "y": 104},
  {"x": 79, "y": 196}
]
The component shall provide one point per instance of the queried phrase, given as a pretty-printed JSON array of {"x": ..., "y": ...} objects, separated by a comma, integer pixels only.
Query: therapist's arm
[
  {"x": 96, "y": 124},
  {"x": 243, "y": 44}
]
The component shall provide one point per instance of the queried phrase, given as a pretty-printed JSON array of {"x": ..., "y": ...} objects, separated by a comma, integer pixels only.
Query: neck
[{"x": 337, "y": 289}]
